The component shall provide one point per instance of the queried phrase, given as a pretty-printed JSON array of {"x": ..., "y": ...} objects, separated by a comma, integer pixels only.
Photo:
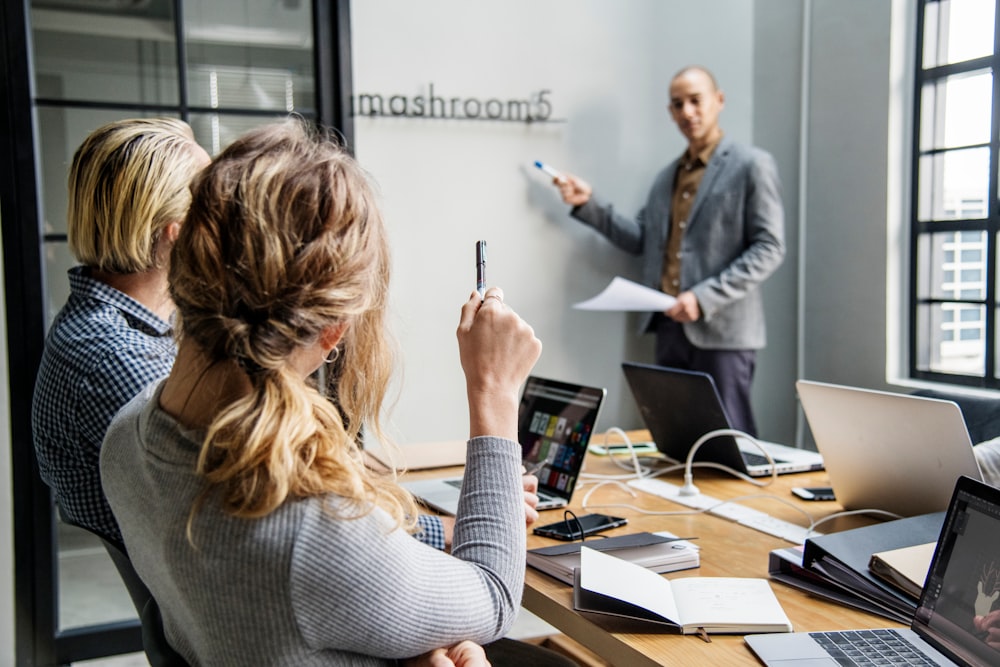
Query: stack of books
[
  {"x": 841, "y": 567},
  {"x": 659, "y": 552}
]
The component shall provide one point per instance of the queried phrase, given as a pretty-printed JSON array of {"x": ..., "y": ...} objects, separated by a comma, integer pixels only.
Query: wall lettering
[{"x": 534, "y": 108}]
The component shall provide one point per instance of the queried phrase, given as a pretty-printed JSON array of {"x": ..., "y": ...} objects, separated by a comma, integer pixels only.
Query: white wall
[{"x": 447, "y": 183}]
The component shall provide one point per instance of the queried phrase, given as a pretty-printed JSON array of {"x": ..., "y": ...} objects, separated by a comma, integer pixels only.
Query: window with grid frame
[{"x": 953, "y": 279}]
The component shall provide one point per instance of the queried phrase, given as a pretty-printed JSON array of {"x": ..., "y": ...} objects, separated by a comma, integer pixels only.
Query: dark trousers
[{"x": 732, "y": 370}]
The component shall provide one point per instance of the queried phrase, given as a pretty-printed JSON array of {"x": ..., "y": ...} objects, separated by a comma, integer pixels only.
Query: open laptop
[
  {"x": 894, "y": 452},
  {"x": 966, "y": 560},
  {"x": 680, "y": 406},
  {"x": 555, "y": 422}
]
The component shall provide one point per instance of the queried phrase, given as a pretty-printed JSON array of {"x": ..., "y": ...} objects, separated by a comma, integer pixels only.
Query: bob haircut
[{"x": 128, "y": 181}]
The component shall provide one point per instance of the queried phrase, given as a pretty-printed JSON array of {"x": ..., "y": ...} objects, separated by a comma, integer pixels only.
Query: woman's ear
[{"x": 331, "y": 335}]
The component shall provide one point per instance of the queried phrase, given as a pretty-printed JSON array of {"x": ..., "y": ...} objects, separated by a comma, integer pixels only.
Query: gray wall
[
  {"x": 777, "y": 85},
  {"x": 844, "y": 272}
]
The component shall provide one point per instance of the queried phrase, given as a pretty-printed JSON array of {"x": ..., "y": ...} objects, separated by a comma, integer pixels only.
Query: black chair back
[{"x": 154, "y": 640}]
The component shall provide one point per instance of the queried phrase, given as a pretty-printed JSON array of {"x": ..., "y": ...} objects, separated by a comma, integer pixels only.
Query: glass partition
[{"x": 224, "y": 66}]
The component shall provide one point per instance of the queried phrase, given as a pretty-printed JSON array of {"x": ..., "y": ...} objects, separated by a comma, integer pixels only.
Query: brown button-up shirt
[{"x": 690, "y": 171}]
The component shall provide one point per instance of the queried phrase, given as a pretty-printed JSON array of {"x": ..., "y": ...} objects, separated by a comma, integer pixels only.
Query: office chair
[
  {"x": 136, "y": 588},
  {"x": 154, "y": 640},
  {"x": 981, "y": 413}
]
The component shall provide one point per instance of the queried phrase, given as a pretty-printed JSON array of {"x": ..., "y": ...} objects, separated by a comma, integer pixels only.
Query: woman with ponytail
[{"x": 241, "y": 492}]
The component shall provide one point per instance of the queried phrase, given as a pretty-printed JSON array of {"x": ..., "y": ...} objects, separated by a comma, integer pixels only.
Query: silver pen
[{"x": 481, "y": 268}]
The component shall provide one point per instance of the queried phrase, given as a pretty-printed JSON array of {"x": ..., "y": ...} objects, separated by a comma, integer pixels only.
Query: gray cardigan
[
  {"x": 300, "y": 587},
  {"x": 734, "y": 240}
]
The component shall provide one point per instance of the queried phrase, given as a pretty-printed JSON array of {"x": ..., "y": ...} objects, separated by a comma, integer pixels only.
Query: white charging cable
[
  {"x": 636, "y": 471},
  {"x": 689, "y": 489}
]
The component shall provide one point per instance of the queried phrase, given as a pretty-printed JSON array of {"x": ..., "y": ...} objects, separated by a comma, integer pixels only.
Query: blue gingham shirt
[
  {"x": 431, "y": 531},
  {"x": 102, "y": 349}
]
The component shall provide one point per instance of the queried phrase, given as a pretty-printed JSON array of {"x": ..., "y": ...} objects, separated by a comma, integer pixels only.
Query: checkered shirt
[
  {"x": 101, "y": 350},
  {"x": 431, "y": 531}
]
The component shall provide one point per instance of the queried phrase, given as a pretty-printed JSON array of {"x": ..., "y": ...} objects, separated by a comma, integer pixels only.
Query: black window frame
[{"x": 990, "y": 379}]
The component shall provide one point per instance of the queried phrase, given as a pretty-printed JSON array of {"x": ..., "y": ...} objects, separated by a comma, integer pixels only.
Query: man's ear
[
  {"x": 331, "y": 335},
  {"x": 172, "y": 231}
]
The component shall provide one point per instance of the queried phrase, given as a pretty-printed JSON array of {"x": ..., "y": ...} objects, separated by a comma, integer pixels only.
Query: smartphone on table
[
  {"x": 814, "y": 492},
  {"x": 640, "y": 448},
  {"x": 580, "y": 527}
]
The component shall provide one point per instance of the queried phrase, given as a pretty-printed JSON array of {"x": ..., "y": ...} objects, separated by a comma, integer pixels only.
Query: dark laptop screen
[
  {"x": 964, "y": 581},
  {"x": 555, "y": 422},
  {"x": 678, "y": 407}
]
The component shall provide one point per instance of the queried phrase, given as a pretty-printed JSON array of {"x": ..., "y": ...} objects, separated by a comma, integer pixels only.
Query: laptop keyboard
[
  {"x": 757, "y": 459},
  {"x": 870, "y": 647}
]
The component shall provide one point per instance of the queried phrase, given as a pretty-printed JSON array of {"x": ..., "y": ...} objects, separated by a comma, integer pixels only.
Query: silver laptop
[
  {"x": 680, "y": 406},
  {"x": 961, "y": 584},
  {"x": 894, "y": 452},
  {"x": 555, "y": 422}
]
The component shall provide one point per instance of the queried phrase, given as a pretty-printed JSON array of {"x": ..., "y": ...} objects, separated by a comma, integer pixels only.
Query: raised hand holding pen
[{"x": 497, "y": 350}]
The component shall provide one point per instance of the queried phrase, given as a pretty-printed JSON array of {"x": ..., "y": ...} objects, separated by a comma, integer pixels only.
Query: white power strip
[{"x": 741, "y": 514}]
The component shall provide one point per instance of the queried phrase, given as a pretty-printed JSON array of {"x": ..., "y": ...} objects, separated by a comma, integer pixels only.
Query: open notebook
[
  {"x": 680, "y": 406},
  {"x": 963, "y": 583},
  {"x": 555, "y": 422}
]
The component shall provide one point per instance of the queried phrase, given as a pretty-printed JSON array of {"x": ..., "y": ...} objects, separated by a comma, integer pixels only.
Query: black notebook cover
[{"x": 849, "y": 551}]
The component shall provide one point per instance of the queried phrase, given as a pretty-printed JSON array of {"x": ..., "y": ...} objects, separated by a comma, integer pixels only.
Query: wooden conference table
[{"x": 727, "y": 550}]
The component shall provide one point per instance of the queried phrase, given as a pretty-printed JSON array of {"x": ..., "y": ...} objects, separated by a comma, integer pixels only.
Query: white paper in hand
[{"x": 622, "y": 294}]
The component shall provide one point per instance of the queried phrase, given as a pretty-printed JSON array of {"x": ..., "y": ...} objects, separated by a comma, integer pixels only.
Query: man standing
[{"x": 711, "y": 232}]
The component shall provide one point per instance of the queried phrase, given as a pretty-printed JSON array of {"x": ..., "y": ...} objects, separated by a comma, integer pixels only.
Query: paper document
[{"x": 622, "y": 294}]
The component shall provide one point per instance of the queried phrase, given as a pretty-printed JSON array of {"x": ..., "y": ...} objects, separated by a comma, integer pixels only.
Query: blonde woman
[
  {"x": 244, "y": 501},
  {"x": 129, "y": 190}
]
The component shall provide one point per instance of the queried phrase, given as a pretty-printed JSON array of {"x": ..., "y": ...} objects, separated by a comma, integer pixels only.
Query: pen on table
[
  {"x": 481, "y": 268},
  {"x": 549, "y": 170}
]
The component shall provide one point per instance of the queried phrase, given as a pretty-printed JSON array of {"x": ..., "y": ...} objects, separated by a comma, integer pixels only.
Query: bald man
[{"x": 711, "y": 231}]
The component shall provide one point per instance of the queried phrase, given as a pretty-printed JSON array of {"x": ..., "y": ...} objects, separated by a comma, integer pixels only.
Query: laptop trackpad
[{"x": 797, "y": 648}]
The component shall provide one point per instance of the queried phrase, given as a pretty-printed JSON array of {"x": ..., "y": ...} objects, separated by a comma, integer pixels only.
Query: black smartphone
[
  {"x": 575, "y": 529},
  {"x": 814, "y": 492}
]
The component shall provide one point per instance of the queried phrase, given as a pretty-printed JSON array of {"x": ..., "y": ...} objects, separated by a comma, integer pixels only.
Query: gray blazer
[{"x": 734, "y": 240}]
